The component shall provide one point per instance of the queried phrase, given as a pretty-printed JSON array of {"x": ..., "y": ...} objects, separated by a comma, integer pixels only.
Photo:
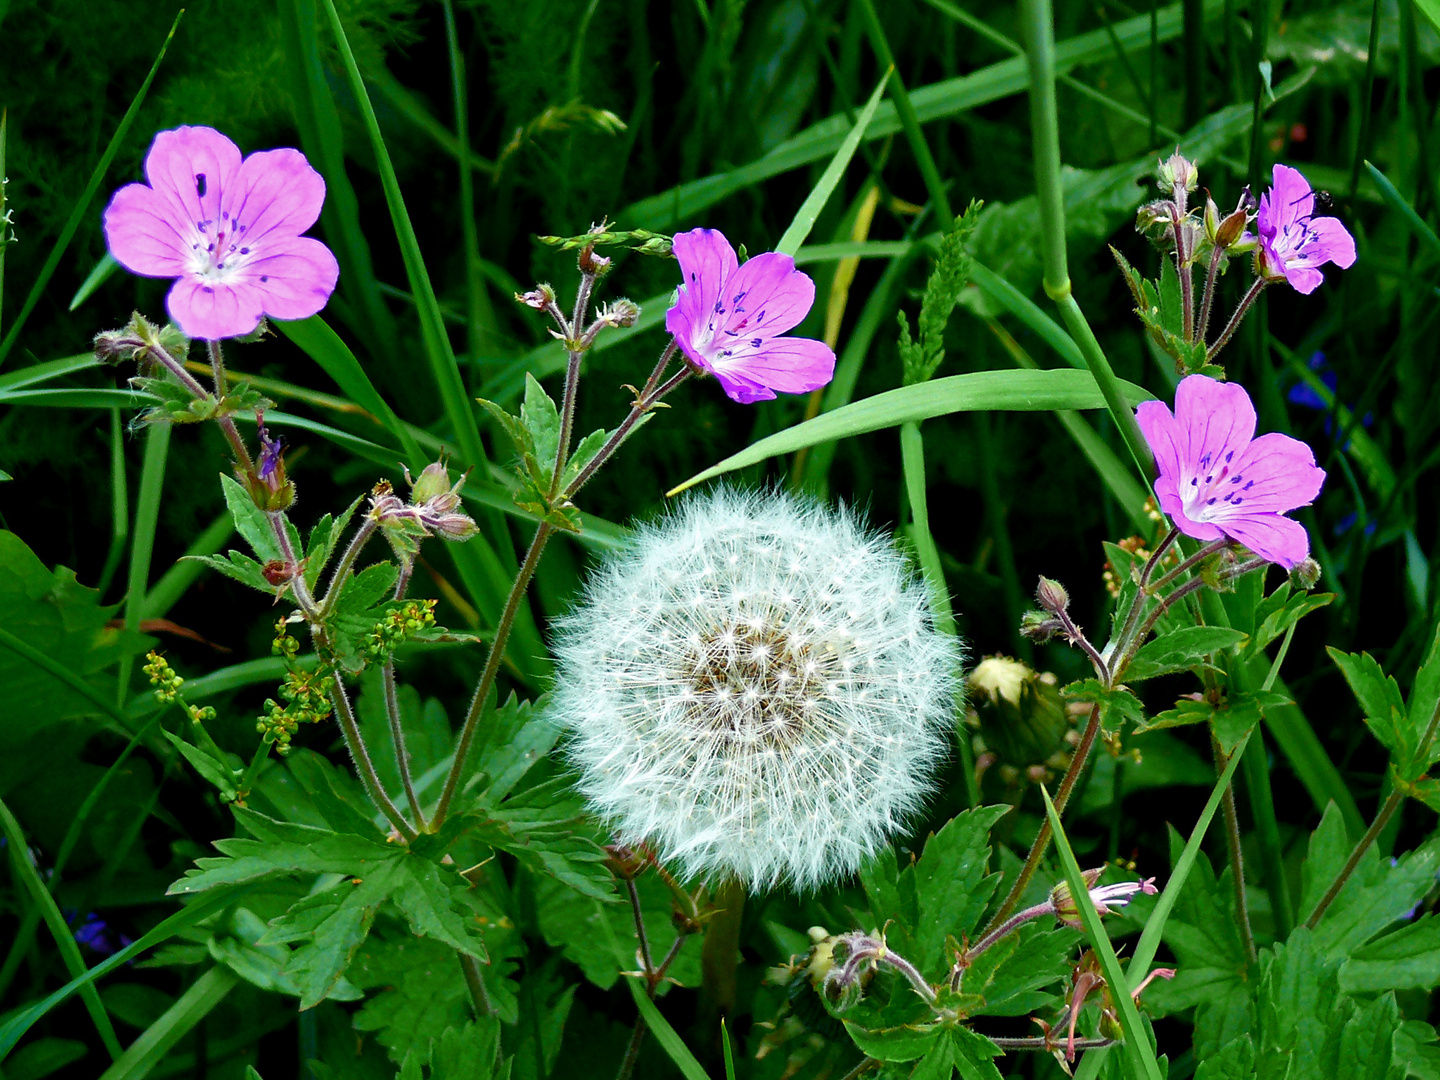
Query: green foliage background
[{"x": 714, "y": 103}]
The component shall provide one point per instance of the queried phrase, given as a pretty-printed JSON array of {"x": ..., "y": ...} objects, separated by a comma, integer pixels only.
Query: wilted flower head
[
  {"x": 728, "y": 319},
  {"x": 228, "y": 231},
  {"x": 1107, "y": 898},
  {"x": 1216, "y": 479},
  {"x": 1293, "y": 242},
  {"x": 757, "y": 689}
]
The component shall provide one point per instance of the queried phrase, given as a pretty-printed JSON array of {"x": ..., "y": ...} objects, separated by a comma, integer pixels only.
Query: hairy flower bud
[
  {"x": 757, "y": 689},
  {"x": 1305, "y": 573},
  {"x": 1177, "y": 173},
  {"x": 539, "y": 298}
]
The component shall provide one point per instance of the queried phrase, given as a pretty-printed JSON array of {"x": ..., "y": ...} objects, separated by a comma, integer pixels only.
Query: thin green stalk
[
  {"x": 1042, "y": 839},
  {"x": 4, "y": 217},
  {"x": 397, "y": 734},
  {"x": 147, "y": 516},
  {"x": 1376, "y": 828},
  {"x": 1267, "y": 831},
  {"x": 475, "y": 983},
  {"x": 82, "y": 207},
  {"x": 1120, "y": 412},
  {"x": 1367, "y": 96},
  {"x": 912, "y": 457},
  {"x": 360, "y": 755},
  {"x": 1259, "y": 38},
  {"x": 119, "y": 500},
  {"x": 1234, "y": 853},
  {"x": 227, "y": 424},
  {"x": 475, "y": 298},
  {"x": 492, "y": 668},
  {"x": 64, "y": 939},
  {"x": 909, "y": 120}
]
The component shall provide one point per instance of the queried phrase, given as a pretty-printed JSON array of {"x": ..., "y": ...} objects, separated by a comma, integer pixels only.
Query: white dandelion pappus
[{"x": 756, "y": 688}]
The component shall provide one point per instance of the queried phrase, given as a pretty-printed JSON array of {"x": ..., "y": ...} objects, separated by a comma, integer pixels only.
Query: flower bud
[
  {"x": 1177, "y": 173},
  {"x": 621, "y": 312},
  {"x": 1305, "y": 573},
  {"x": 590, "y": 263},
  {"x": 539, "y": 298},
  {"x": 1020, "y": 712},
  {"x": 1040, "y": 627},
  {"x": 1153, "y": 219},
  {"x": 434, "y": 480},
  {"x": 1052, "y": 596}
]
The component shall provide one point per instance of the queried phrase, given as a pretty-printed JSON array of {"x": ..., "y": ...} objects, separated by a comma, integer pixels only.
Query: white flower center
[
  {"x": 218, "y": 249},
  {"x": 1215, "y": 490}
]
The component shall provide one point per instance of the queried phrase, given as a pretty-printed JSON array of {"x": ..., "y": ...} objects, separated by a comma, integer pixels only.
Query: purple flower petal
[
  {"x": 790, "y": 365},
  {"x": 294, "y": 277},
  {"x": 706, "y": 261},
  {"x": 143, "y": 235},
  {"x": 1293, "y": 242},
  {"x": 1276, "y": 474},
  {"x": 1272, "y": 537},
  {"x": 765, "y": 297},
  {"x": 276, "y": 192},
  {"x": 214, "y": 312},
  {"x": 1216, "y": 480},
  {"x": 227, "y": 230},
  {"x": 1291, "y": 199}
]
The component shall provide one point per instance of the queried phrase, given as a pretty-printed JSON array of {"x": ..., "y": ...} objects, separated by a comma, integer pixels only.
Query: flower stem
[
  {"x": 1013, "y": 923},
  {"x": 298, "y": 588},
  {"x": 227, "y": 425},
  {"x": 1212, "y": 275},
  {"x": 1190, "y": 563},
  {"x": 471, "y": 967},
  {"x": 1133, "y": 645},
  {"x": 345, "y": 715},
  {"x": 347, "y": 560},
  {"x": 1182, "y": 268},
  {"x": 1232, "y": 848},
  {"x": 1235, "y": 319},
  {"x": 1038, "y": 1042},
  {"x": 642, "y": 406},
  {"x": 1042, "y": 839},
  {"x": 492, "y": 669},
  {"x": 397, "y": 734},
  {"x": 572, "y": 384},
  {"x": 634, "y": 896},
  {"x": 1376, "y": 828}
]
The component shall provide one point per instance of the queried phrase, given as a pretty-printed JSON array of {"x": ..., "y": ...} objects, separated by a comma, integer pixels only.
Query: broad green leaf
[
  {"x": 1301, "y": 1012},
  {"x": 1424, "y": 701},
  {"x": 1273, "y": 619},
  {"x": 996, "y": 391},
  {"x": 1415, "y": 1045},
  {"x": 1235, "y": 1061},
  {"x": 221, "y": 775},
  {"x": 1367, "y": 1044},
  {"x": 467, "y": 1052},
  {"x": 1406, "y": 959},
  {"x": 968, "y": 1051},
  {"x": 40, "y": 1058},
  {"x": 952, "y": 887},
  {"x": 236, "y": 945},
  {"x": 1011, "y": 975},
  {"x": 1380, "y": 701},
  {"x": 542, "y": 425},
  {"x": 898, "y": 1044},
  {"x": 250, "y": 521},
  {"x": 1116, "y": 706},
  {"x": 1180, "y": 650},
  {"x": 417, "y": 991}
]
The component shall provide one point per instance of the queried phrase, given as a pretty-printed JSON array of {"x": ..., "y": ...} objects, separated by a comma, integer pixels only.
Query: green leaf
[
  {"x": 418, "y": 991},
  {"x": 1235, "y": 1061},
  {"x": 41, "y": 1057},
  {"x": 542, "y": 424},
  {"x": 1406, "y": 959},
  {"x": 1181, "y": 650},
  {"x": 1300, "y": 1011},
  {"x": 1415, "y": 1045},
  {"x": 1009, "y": 975},
  {"x": 1231, "y": 720},
  {"x": 363, "y": 602},
  {"x": 1278, "y": 612},
  {"x": 897, "y": 1044},
  {"x": 1380, "y": 701},
  {"x": 467, "y": 1052},
  {"x": 1367, "y": 1043},
  {"x": 584, "y": 930},
  {"x": 219, "y": 774},
  {"x": 942, "y": 292},
  {"x": 250, "y": 521},
  {"x": 665, "y": 1034},
  {"x": 951, "y": 885},
  {"x": 1424, "y": 702},
  {"x": 1116, "y": 706},
  {"x": 236, "y": 946},
  {"x": 968, "y": 1051},
  {"x": 997, "y": 391},
  {"x": 820, "y": 194}
]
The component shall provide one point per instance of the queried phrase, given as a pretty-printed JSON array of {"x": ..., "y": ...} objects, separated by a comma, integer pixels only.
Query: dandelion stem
[{"x": 1042, "y": 840}]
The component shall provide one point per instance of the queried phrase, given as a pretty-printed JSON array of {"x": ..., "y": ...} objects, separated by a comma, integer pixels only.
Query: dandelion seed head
[{"x": 757, "y": 689}]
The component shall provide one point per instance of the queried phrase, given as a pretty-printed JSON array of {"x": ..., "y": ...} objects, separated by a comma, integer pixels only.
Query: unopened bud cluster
[
  {"x": 307, "y": 701},
  {"x": 433, "y": 510},
  {"x": 162, "y": 676},
  {"x": 398, "y": 625}
]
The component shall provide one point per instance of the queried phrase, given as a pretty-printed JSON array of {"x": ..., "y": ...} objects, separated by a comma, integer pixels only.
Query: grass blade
[
  {"x": 174, "y": 1024},
  {"x": 18, "y": 1023},
  {"x": 1413, "y": 221},
  {"x": 166, "y": 592},
  {"x": 64, "y": 939},
  {"x": 119, "y": 504},
  {"x": 1137, "y": 1047},
  {"x": 82, "y": 206},
  {"x": 142, "y": 546},
  {"x": 1151, "y": 935},
  {"x": 1004, "y": 391},
  {"x": 665, "y": 1034},
  {"x": 97, "y": 277},
  {"x": 432, "y": 325},
  {"x": 819, "y": 195},
  {"x": 50, "y": 369}
]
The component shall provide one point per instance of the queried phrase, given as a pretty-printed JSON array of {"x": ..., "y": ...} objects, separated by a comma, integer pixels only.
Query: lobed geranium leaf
[
  {"x": 250, "y": 521},
  {"x": 951, "y": 885},
  {"x": 1009, "y": 977},
  {"x": 1380, "y": 701},
  {"x": 1407, "y": 959},
  {"x": 1181, "y": 650}
]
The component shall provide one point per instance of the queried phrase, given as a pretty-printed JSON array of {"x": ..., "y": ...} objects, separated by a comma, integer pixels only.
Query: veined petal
[
  {"x": 1272, "y": 537},
  {"x": 791, "y": 365},
  {"x": 294, "y": 276},
  {"x": 1219, "y": 421},
  {"x": 276, "y": 194},
  {"x": 1164, "y": 436},
  {"x": 1275, "y": 474},
  {"x": 740, "y": 389},
  {"x": 1303, "y": 279},
  {"x": 144, "y": 233},
  {"x": 1174, "y": 508},
  {"x": 706, "y": 262},
  {"x": 190, "y": 168},
  {"x": 1291, "y": 197},
  {"x": 765, "y": 297},
  {"x": 213, "y": 312},
  {"x": 1329, "y": 241},
  {"x": 680, "y": 324}
]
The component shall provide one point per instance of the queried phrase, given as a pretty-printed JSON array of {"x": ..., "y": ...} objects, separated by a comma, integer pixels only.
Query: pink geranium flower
[
  {"x": 227, "y": 230},
  {"x": 1218, "y": 480},
  {"x": 1294, "y": 243},
  {"x": 728, "y": 319}
]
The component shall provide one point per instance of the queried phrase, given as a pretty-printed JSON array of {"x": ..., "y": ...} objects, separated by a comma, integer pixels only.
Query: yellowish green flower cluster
[
  {"x": 398, "y": 625},
  {"x": 307, "y": 701},
  {"x": 162, "y": 676}
]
